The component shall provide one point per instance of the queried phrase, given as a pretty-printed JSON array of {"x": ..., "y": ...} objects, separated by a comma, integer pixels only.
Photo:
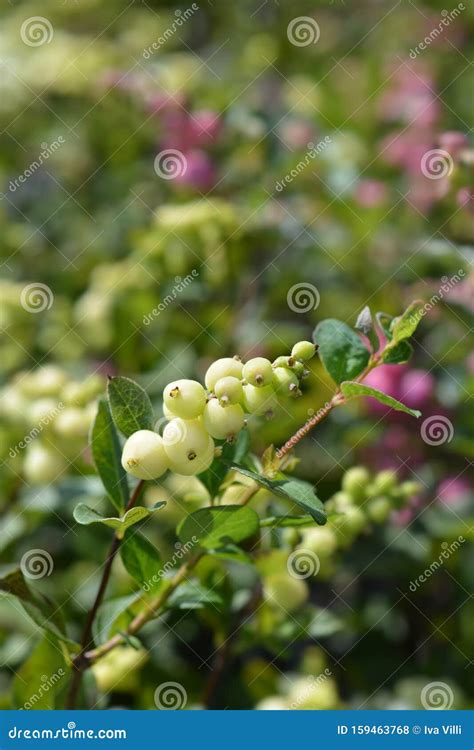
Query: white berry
[
  {"x": 258, "y": 372},
  {"x": 223, "y": 421},
  {"x": 144, "y": 455},
  {"x": 229, "y": 390},
  {"x": 185, "y": 398},
  {"x": 220, "y": 369}
]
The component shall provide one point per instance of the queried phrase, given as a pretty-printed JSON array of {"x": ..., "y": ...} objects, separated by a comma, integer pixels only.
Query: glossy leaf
[
  {"x": 86, "y": 515},
  {"x": 297, "y": 491},
  {"x": 40, "y": 678},
  {"x": 109, "y": 612},
  {"x": 141, "y": 559},
  {"x": 405, "y": 326},
  {"x": 341, "y": 350},
  {"x": 213, "y": 528},
  {"x": 130, "y": 406},
  {"x": 351, "y": 390},
  {"x": 107, "y": 452}
]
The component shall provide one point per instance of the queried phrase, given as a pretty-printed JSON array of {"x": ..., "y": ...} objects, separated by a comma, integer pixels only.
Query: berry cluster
[
  {"x": 47, "y": 416},
  {"x": 200, "y": 415}
]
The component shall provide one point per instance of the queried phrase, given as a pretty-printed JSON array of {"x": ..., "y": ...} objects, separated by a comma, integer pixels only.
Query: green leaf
[
  {"x": 141, "y": 559},
  {"x": 231, "y": 452},
  {"x": 384, "y": 321},
  {"x": 39, "y": 608},
  {"x": 107, "y": 614},
  {"x": 233, "y": 553},
  {"x": 341, "y": 350},
  {"x": 365, "y": 325},
  {"x": 86, "y": 515},
  {"x": 131, "y": 408},
  {"x": 405, "y": 326},
  {"x": 350, "y": 390},
  {"x": 193, "y": 596},
  {"x": 40, "y": 678},
  {"x": 287, "y": 521},
  {"x": 213, "y": 528},
  {"x": 295, "y": 490},
  {"x": 107, "y": 452},
  {"x": 397, "y": 354}
]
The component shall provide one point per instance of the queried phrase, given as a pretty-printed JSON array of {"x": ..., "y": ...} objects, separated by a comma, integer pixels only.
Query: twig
[{"x": 78, "y": 662}]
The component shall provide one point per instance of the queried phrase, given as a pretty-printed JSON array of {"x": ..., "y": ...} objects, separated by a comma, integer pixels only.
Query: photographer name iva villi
[{"x": 398, "y": 729}]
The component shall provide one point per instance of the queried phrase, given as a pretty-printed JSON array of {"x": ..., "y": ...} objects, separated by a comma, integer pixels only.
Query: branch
[{"x": 78, "y": 661}]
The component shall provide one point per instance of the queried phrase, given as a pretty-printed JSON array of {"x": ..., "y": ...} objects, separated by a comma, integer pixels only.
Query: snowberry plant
[{"x": 205, "y": 432}]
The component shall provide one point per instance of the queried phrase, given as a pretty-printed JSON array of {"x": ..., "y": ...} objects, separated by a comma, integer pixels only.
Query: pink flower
[
  {"x": 204, "y": 127},
  {"x": 199, "y": 173},
  {"x": 370, "y": 193},
  {"x": 453, "y": 489},
  {"x": 453, "y": 141},
  {"x": 416, "y": 388}
]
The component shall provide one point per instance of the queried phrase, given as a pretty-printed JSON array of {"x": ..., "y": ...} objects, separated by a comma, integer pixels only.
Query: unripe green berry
[
  {"x": 297, "y": 367},
  {"x": 223, "y": 421},
  {"x": 221, "y": 368},
  {"x": 303, "y": 350},
  {"x": 283, "y": 592},
  {"x": 258, "y": 372},
  {"x": 194, "y": 462},
  {"x": 280, "y": 362},
  {"x": 229, "y": 390},
  {"x": 319, "y": 539},
  {"x": 185, "y": 398},
  {"x": 260, "y": 400},
  {"x": 385, "y": 481},
  {"x": 409, "y": 489},
  {"x": 285, "y": 381},
  {"x": 144, "y": 455},
  {"x": 379, "y": 509},
  {"x": 355, "y": 482}
]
